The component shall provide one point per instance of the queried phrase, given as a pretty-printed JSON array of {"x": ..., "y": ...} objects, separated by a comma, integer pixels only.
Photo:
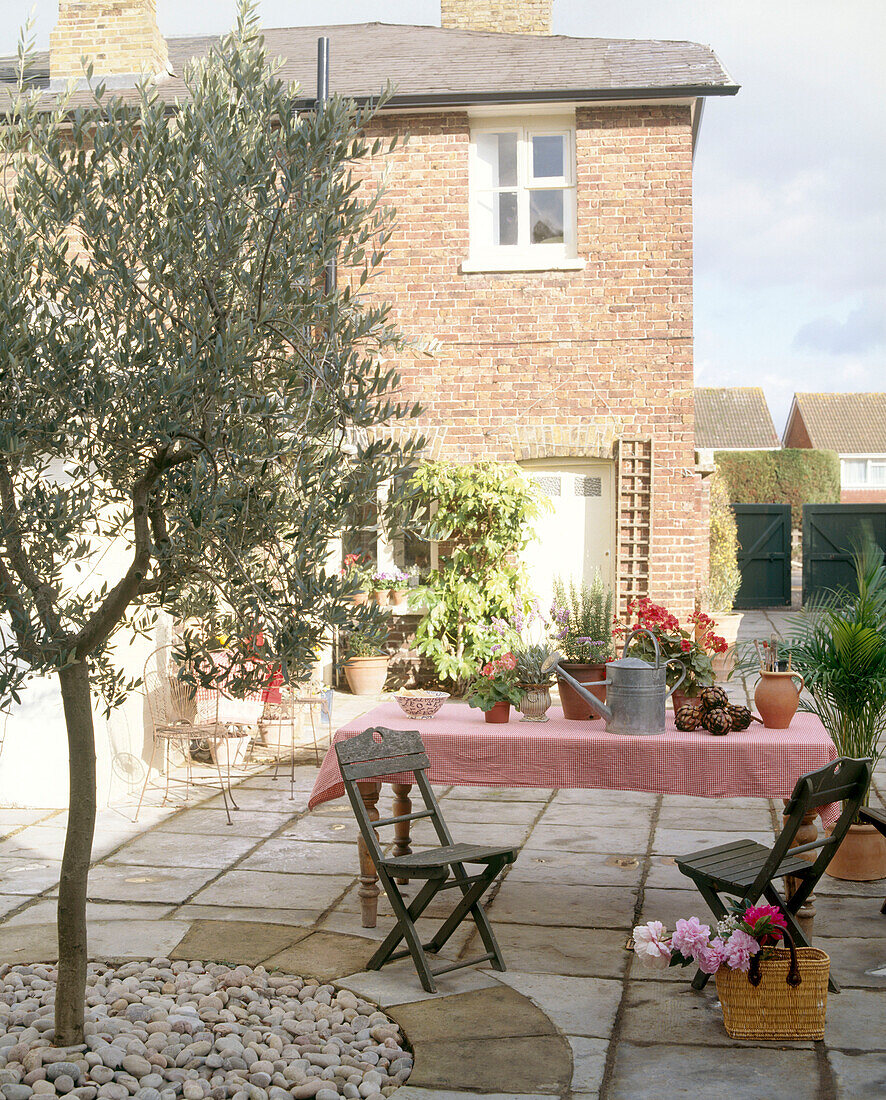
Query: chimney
[
  {"x": 120, "y": 37},
  {"x": 510, "y": 16}
]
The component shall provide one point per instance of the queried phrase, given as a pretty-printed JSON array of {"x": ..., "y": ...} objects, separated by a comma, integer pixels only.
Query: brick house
[{"x": 853, "y": 425}]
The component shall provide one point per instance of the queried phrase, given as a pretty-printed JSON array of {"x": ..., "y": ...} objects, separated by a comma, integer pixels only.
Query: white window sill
[{"x": 518, "y": 263}]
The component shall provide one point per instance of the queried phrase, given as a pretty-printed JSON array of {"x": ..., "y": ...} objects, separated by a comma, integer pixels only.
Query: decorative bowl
[{"x": 424, "y": 704}]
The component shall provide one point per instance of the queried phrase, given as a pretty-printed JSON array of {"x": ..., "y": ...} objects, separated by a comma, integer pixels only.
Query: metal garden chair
[
  {"x": 382, "y": 752},
  {"x": 745, "y": 870},
  {"x": 870, "y": 815}
]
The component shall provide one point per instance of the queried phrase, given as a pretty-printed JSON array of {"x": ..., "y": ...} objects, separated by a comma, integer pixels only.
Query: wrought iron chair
[
  {"x": 870, "y": 815},
  {"x": 745, "y": 870},
  {"x": 381, "y": 752},
  {"x": 182, "y": 714}
]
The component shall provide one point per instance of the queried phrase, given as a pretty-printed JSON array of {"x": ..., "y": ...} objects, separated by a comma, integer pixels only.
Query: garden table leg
[
  {"x": 806, "y": 834},
  {"x": 368, "y": 890},
  {"x": 402, "y": 805}
]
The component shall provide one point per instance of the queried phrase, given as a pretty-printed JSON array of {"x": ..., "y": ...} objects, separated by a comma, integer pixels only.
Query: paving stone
[
  {"x": 626, "y": 840},
  {"x": 46, "y": 911},
  {"x": 501, "y": 794},
  {"x": 653, "y": 1072},
  {"x": 570, "y": 906},
  {"x": 474, "y": 811},
  {"x": 29, "y": 943},
  {"x": 497, "y": 1012},
  {"x": 467, "y": 833},
  {"x": 541, "y": 1064},
  {"x": 837, "y": 916},
  {"x": 578, "y": 1006},
  {"x": 316, "y": 826},
  {"x": 608, "y": 816},
  {"x": 588, "y": 1064},
  {"x": 350, "y": 923},
  {"x": 248, "y": 942},
  {"x": 296, "y": 918},
  {"x": 157, "y": 849},
  {"x": 836, "y": 887},
  {"x": 407, "y": 1092},
  {"x": 857, "y": 1076},
  {"x": 251, "y": 823},
  {"x": 304, "y": 857},
  {"x": 579, "y": 952},
  {"x": 398, "y": 984},
  {"x": 324, "y": 955},
  {"x": 268, "y": 889},
  {"x": 575, "y": 868},
  {"x": 856, "y": 962},
  {"x": 8, "y": 902},
  {"x": 603, "y": 798},
  {"x": 122, "y": 882},
  {"x": 14, "y": 817},
  {"x": 683, "y": 842},
  {"x": 855, "y": 1020},
  {"x": 669, "y": 906},
  {"x": 274, "y": 802},
  {"x": 721, "y": 814},
  {"x": 123, "y": 939},
  {"x": 664, "y": 874}
]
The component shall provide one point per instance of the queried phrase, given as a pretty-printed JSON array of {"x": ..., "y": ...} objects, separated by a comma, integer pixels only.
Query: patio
[{"x": 573, "y": 1016}]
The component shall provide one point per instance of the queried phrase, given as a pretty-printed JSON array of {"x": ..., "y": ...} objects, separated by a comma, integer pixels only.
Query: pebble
[{"x": 197, "y": 1031}]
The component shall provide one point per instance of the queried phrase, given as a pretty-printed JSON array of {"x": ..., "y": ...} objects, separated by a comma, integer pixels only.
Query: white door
[{"x": 575, "y": 537}]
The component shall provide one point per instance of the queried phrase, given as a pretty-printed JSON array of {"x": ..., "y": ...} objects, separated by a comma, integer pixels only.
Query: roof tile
[{"x": 733, "y": 419}]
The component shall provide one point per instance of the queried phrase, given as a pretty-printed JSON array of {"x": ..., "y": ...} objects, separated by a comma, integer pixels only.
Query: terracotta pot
[
  {"x": 535, "y": 703},
  {"x": 574, "y": 707},
  {"x": 498, "y": 712},
  {"x": 861, "y": 856},
  {"x": 366, "y": 675},
  {"x": 777, "y": 697},
  {"x": 682, "y": 699},
  {"x": 360, "y": 598},
  {"x": 380, "y": 595},
  {"x": 397, "y": 597}
]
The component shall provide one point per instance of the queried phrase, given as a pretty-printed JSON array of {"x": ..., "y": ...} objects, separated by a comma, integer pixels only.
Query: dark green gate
[
  {"x": 764, "y": 555},
  {"x": 829, "y": 533}
]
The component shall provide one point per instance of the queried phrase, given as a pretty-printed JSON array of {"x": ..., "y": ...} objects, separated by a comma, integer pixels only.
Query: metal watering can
[{"x": 635, "y": 690}]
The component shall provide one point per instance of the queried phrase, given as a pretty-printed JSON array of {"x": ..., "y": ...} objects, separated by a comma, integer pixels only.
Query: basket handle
[{"x": 793, "y": 979}]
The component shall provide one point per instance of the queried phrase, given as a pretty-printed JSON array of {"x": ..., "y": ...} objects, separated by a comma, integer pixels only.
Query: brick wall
[
  {"x": 120, "y": 36},
  {"x": 598, "y": 353},
  {"x": 513, "y": 16},
  {"x": 863, "y": 496}
]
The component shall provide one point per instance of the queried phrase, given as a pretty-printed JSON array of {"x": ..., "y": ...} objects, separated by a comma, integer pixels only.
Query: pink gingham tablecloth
[{"x": 466, "y": 750}]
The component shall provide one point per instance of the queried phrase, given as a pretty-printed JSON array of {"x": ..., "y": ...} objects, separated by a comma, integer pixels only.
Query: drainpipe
[{"x": 322, "y": 97}]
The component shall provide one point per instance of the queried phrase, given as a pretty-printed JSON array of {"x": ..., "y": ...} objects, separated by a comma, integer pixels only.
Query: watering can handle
[
  {"x": 676, "y": 661},
  {"x": 642, "y": 630}
]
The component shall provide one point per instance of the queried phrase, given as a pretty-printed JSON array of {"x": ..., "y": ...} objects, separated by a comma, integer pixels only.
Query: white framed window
[
  {"x": 523, "y": 202},
  {"x": 863, "y": 472}
]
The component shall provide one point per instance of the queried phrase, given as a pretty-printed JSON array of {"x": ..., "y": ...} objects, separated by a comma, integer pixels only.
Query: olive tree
[{"x": 178, "y": 374}]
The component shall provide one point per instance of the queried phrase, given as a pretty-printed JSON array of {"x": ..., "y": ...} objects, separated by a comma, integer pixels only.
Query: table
[{"x": 466, "y": 750}]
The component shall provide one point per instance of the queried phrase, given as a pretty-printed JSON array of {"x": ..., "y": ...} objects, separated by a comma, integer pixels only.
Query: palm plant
[{"x": 841, "y": 652}]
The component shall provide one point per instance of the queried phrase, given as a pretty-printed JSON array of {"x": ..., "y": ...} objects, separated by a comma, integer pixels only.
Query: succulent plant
[{"x": 530, "y": 660}]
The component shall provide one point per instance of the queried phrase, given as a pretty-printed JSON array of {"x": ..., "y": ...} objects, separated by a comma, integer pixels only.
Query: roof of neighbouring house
[
  {"x": 848, "y": 423},
  {"x": 443, "y": 66},
  {"x": 733, "y": 419}
]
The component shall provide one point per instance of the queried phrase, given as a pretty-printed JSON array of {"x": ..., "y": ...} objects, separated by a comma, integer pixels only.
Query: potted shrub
[
  {"x": 399, "y": 590},
  {"x": 366, "y": 666},
  {"x": 693, "y": 645},
  {"x": 534, "y": 681},
  {"x": 841, "y": 653},
  {"x": 355, "y": 570},
  {"x": 582, "y": 617},
  {"x": 381, "y": 586},
  {"x": 495, "y": 689}
]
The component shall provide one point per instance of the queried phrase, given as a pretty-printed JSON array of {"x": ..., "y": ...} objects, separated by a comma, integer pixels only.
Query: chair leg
[
  {"x": 470, "y": 903},
  {"x": 141, "y": 797},
  {"x": 414, "y": 910},
  {"x": 406, "y": 929},
  {"x": 799, "y": 936},
  {"x": 720, "y": 911}
]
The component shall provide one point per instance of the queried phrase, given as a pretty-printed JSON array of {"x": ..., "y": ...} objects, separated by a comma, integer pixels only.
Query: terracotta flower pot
[
  {"x": 861, "y": 856},
  {"x": 682, "y": 699},
  {"x": 397, "y": 597},
  {"x": 574, "y": 707},
  {"x": 380, "y": 595},
  {"x": 498, "y": 712},
  {"x": 366, "y": 675},
  {"x": 777, "y": 698},
  {"x": 360, "y": 598}
]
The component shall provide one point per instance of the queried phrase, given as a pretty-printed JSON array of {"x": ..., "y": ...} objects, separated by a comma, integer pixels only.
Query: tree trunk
[{"x": 72, "y": 955}]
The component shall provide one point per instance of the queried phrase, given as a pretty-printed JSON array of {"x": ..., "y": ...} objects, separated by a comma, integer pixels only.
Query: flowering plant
[
  {"x": 496, "y": 682},
  {"x": 385, "y": 578},
  {"x": 398, "y": 578},
  {"x": 693, "y": 645},
  {"x": 738, "y": 939},
  {"x": 356, "y": 569},
  {"x": 582, "y": 616}
]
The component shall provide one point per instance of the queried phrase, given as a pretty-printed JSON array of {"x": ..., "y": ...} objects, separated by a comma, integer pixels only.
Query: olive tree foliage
[{"x": 178, "y": 379}]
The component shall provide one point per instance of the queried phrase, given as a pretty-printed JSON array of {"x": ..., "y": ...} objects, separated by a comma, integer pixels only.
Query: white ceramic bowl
[{"x": 425, "y": 705}]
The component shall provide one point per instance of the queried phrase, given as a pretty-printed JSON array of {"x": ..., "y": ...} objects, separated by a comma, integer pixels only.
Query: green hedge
[
  {"x": 794, "y": 476},
  {"x": 725, "y": 577}
]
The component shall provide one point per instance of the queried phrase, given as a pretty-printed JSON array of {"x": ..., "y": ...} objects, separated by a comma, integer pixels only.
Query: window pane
[
  {"x": 507, "y": 160},
  {"x": 547, "y": 156},
  {"x": 878, "y": 473},
  {"x": 546, "y": 217},
  {"x": 496, "y": 160},
  {"x": 507, "y": 218},
  {"x": 853, "y": 471}
]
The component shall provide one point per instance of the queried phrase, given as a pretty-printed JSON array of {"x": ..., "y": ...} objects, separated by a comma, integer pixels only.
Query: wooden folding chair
[
  {"x": 745, "y": 870},
  {"x": 382, "y": 752},
  {"x": 870, "y": 815}
]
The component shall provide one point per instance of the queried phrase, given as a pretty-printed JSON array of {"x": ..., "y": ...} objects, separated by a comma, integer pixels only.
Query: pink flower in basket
[
  {"x": 690, "y": 936},
  {"x": 709, "y": 957},
  {"x": 649, "y": 945},
  {"x": 738, "y": 950},
  {"x": 766, "y": 923}
]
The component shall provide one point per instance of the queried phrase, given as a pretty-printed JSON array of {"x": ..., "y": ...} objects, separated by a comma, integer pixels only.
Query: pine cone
[
  {"x": 687, "y": 718},
  {"x": 739, "y": 716},
  {"x": 712, "y": 698},
  {"x": 717, "y": 721}
]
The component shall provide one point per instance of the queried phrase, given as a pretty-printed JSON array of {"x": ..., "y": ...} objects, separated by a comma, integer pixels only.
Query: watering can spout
[{"x": 553, "y": 664}]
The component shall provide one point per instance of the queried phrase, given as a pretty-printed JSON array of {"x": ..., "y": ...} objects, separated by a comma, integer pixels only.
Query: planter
[
  {"x": 498, "y": 712},
  {"x": 535, "y": 703},
  {"x": 380, "y": 595},
  {"x": 366, "y": 675},
  {"x": 777, "y": 697},
  {"x": 360, "y": 598},
  {"x": 861, "y": 856},
  {"x": 397, "y": 597},
  {"x": 229, "y": 752},
  {"x": 574, "y": 707},
  {"x": 682, "y": 699}
]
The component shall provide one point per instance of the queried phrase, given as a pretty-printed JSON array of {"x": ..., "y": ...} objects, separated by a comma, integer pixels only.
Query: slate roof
[
  {"x": 848, "y": 423},
  {"x": 444, "y": 66},
  {"x": 733, "y": 419}
]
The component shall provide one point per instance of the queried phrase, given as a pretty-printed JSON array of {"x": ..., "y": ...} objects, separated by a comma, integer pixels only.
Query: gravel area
[{"x": 165, "y": 1030}]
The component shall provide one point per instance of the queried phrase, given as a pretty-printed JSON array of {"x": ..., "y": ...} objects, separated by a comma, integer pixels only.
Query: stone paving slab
[
  {"x": 629, "y": 839},
  {"x": 304, "y": 857},
  {"x": 723, "y": 816},
  {"x": 835, "y": 916},
  {"x": 45, "y": 912},
  {"x": 107, "y": 939},
  {"x": 122, "y": 882},
  {"x": 858, "y": 962},
  {"x": 570, "y": 906},
  {"x": 249, "y": 942},
  {"x": 578, "y": 1006},
  {"x": 501, "y": 794},
  {"x": 541, "y": 1064},
  {"x": 292, "y": 917},
  {"x": 457, "y": 811},
  {"x": 398, "y": 983},
  {"x": 683, "y": 842},
  {"x": 408, "y": 1092},
  {"x": 588, "y": 1065},
  {"x": 497, "y": 1012},
  {"x": 28, "y": 875},
  {"x": 855, "y": 1020},
  {"x": 268, "y": 889},
  {"x": 324, "y": 955},
  {"x": 251, "y": 823},
  {"x": 157, "y": 849},
  {"x": 858, "y": 1076},
  {"x": 579, "y": 952},
  {"x": 608, "y": 816},
  {"x": 575, "y": 868}
]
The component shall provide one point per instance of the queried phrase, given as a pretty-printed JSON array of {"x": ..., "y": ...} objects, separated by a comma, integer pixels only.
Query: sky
[{"x": 790, "y": 174}]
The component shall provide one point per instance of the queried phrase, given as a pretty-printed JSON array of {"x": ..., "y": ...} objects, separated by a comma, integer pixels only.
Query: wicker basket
[{"x": 776, "y": 1009}]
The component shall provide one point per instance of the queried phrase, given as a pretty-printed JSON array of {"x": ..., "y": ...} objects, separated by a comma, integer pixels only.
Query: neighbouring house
[
  {"x": 734, "y": 418},
  {"x": 853, "y": 425},
  {"x": 544, "y": 242}
]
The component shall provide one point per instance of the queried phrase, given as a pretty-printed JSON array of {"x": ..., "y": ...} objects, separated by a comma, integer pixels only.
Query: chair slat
[
  {"x": 382, "y": 821},
  {"x": 391, "y": 765}
]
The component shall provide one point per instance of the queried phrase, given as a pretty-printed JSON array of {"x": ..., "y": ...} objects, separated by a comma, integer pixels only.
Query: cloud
[{"x": 863, "y": 330}]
